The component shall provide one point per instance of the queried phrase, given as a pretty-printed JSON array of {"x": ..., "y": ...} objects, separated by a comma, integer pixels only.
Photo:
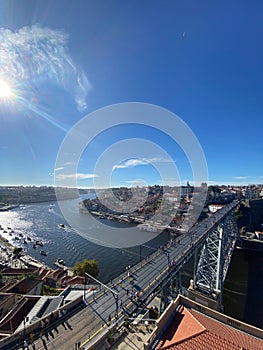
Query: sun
[{"x": 5, "y": 90}]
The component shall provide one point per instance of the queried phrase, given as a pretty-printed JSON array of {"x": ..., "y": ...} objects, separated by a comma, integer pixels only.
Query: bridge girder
[{"x": 215, "y": 257}]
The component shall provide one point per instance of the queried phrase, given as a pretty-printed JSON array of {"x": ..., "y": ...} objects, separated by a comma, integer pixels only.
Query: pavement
[{"x": 134, "y": 338}]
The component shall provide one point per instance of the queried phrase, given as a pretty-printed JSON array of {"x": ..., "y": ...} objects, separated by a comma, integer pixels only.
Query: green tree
[
  {"x": 87, "y": 265},
  {"x": 46, "y": 290}
]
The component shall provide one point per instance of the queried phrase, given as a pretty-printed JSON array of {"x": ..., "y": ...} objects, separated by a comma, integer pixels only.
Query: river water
[
  {"x": 41, "y": 222},
  {"x": 243, "y": 287}
]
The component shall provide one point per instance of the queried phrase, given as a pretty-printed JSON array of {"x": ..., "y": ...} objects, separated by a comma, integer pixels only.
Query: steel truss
[{"x": 215, "y": 258}]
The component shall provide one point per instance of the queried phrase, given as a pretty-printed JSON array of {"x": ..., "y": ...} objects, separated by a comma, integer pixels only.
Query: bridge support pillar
[
  {"x": 215, "y": 256},
  {"x": 202, "y": 299}
]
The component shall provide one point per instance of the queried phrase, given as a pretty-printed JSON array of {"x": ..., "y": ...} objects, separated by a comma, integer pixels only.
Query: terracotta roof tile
[
  {"x": 43, "y": 272},
  {"x": 192, "y": 330},
  {"x": 184, "y": 327},
  {"x": 244, "y": 340}
]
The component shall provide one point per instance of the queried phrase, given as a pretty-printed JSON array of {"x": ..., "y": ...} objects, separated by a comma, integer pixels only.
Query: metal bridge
[{"x": 211, "y": 243}]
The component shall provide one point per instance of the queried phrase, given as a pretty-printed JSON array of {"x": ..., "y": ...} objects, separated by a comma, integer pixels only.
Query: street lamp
[
  {"x": 25, "y": 320},
  {"x": 114, "y": 293},
  {"x": 84, "y": 289}
]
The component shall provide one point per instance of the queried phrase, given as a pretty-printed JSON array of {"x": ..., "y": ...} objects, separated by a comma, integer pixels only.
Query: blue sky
[{"x": 201, "y": 60}]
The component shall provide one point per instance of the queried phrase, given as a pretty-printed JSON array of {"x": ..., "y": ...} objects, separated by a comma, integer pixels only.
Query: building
[
  {"x": 28, "y": 285},
  {"x": 188, "y": 325}
]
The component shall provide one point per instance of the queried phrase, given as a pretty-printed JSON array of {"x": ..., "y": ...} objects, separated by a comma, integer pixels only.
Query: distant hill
[{"x": 35, "y": 194}]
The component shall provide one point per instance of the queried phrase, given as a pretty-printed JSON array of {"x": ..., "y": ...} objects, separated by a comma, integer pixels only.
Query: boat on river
[
  {"x": 61, "y": 226},
  {"x": 60, "y": 261},
  {"x": 43, "y": 252}
]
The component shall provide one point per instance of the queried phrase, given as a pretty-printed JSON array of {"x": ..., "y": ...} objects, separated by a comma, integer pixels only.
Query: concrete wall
[
  {"x": 162, "y": 323},
  {"x": 37, "y": 289},
  {"x": 7, "y": 303}
]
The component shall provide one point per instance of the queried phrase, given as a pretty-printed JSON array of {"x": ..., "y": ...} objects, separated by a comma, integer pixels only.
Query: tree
[{"x": 87, "y": 265}]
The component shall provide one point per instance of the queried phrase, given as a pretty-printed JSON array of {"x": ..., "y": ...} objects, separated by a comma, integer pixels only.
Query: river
[
  {"x": 243, "y": 286},
  {"x": 41, "y": 222}
]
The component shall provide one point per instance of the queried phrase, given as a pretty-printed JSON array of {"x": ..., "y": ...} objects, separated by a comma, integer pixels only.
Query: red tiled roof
[
  {"x": 76, "y": 280},
  {"x": 44, "y": 272},
  {"x": 244, "y": 340},
  {"x": 57, "y": 273},
  {"x": 192, "y": 330},
  {"x": 184, "y": 327}
]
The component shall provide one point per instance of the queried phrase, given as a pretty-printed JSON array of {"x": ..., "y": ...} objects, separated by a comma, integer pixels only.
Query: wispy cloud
[
  {"x": 59, "y": 168},
  {"x": 130, "y": 163},
  {"x": 35, "y": 52},
  {"x": 79, "y": 176},
  {"x": 242, "y": 177},
  {"x": 135, "y": 182}
]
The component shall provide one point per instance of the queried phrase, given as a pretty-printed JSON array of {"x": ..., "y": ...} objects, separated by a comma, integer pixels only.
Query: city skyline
[{"x": 61, "y": 62}]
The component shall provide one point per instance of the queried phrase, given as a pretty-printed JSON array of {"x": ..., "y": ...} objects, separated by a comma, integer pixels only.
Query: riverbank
[
  {"x": 7, "y": 256},
  {"x": 8, "y": 207},
  {"x": 139, "y": 221}
]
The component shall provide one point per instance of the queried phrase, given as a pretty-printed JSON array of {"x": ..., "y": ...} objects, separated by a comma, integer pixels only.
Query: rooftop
[{"x": 188, "y": 325}]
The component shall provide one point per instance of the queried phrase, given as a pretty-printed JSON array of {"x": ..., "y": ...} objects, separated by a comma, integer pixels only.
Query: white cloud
[
  {"x": 35, "y": 52},
  {"x": 241, "y": 177},
  {"x": 130, "y": 163},
  {"x": 79, "y": 176},
  {"x": 59, "y": 168}
]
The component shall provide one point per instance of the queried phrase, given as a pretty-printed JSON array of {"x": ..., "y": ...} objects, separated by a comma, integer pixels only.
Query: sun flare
[{"x": 5, "y": 90}]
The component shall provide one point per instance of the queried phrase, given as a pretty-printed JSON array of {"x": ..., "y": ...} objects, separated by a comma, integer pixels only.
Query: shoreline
[
  {"x": 139, "y": 222},
  {"x": 7, "y": 249},
  {"x": 9, "y": 207},
  {"x": 28, "y": 261}
]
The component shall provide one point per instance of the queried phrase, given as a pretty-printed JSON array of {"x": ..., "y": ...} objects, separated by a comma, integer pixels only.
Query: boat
[
  {"x": 39, "y": 243},
  {"x": 60, "y": 261},
  {"x": 43, "y": 252},
  {"x": 34, "y": 246},
  {"x": 61, "y": 226}
]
